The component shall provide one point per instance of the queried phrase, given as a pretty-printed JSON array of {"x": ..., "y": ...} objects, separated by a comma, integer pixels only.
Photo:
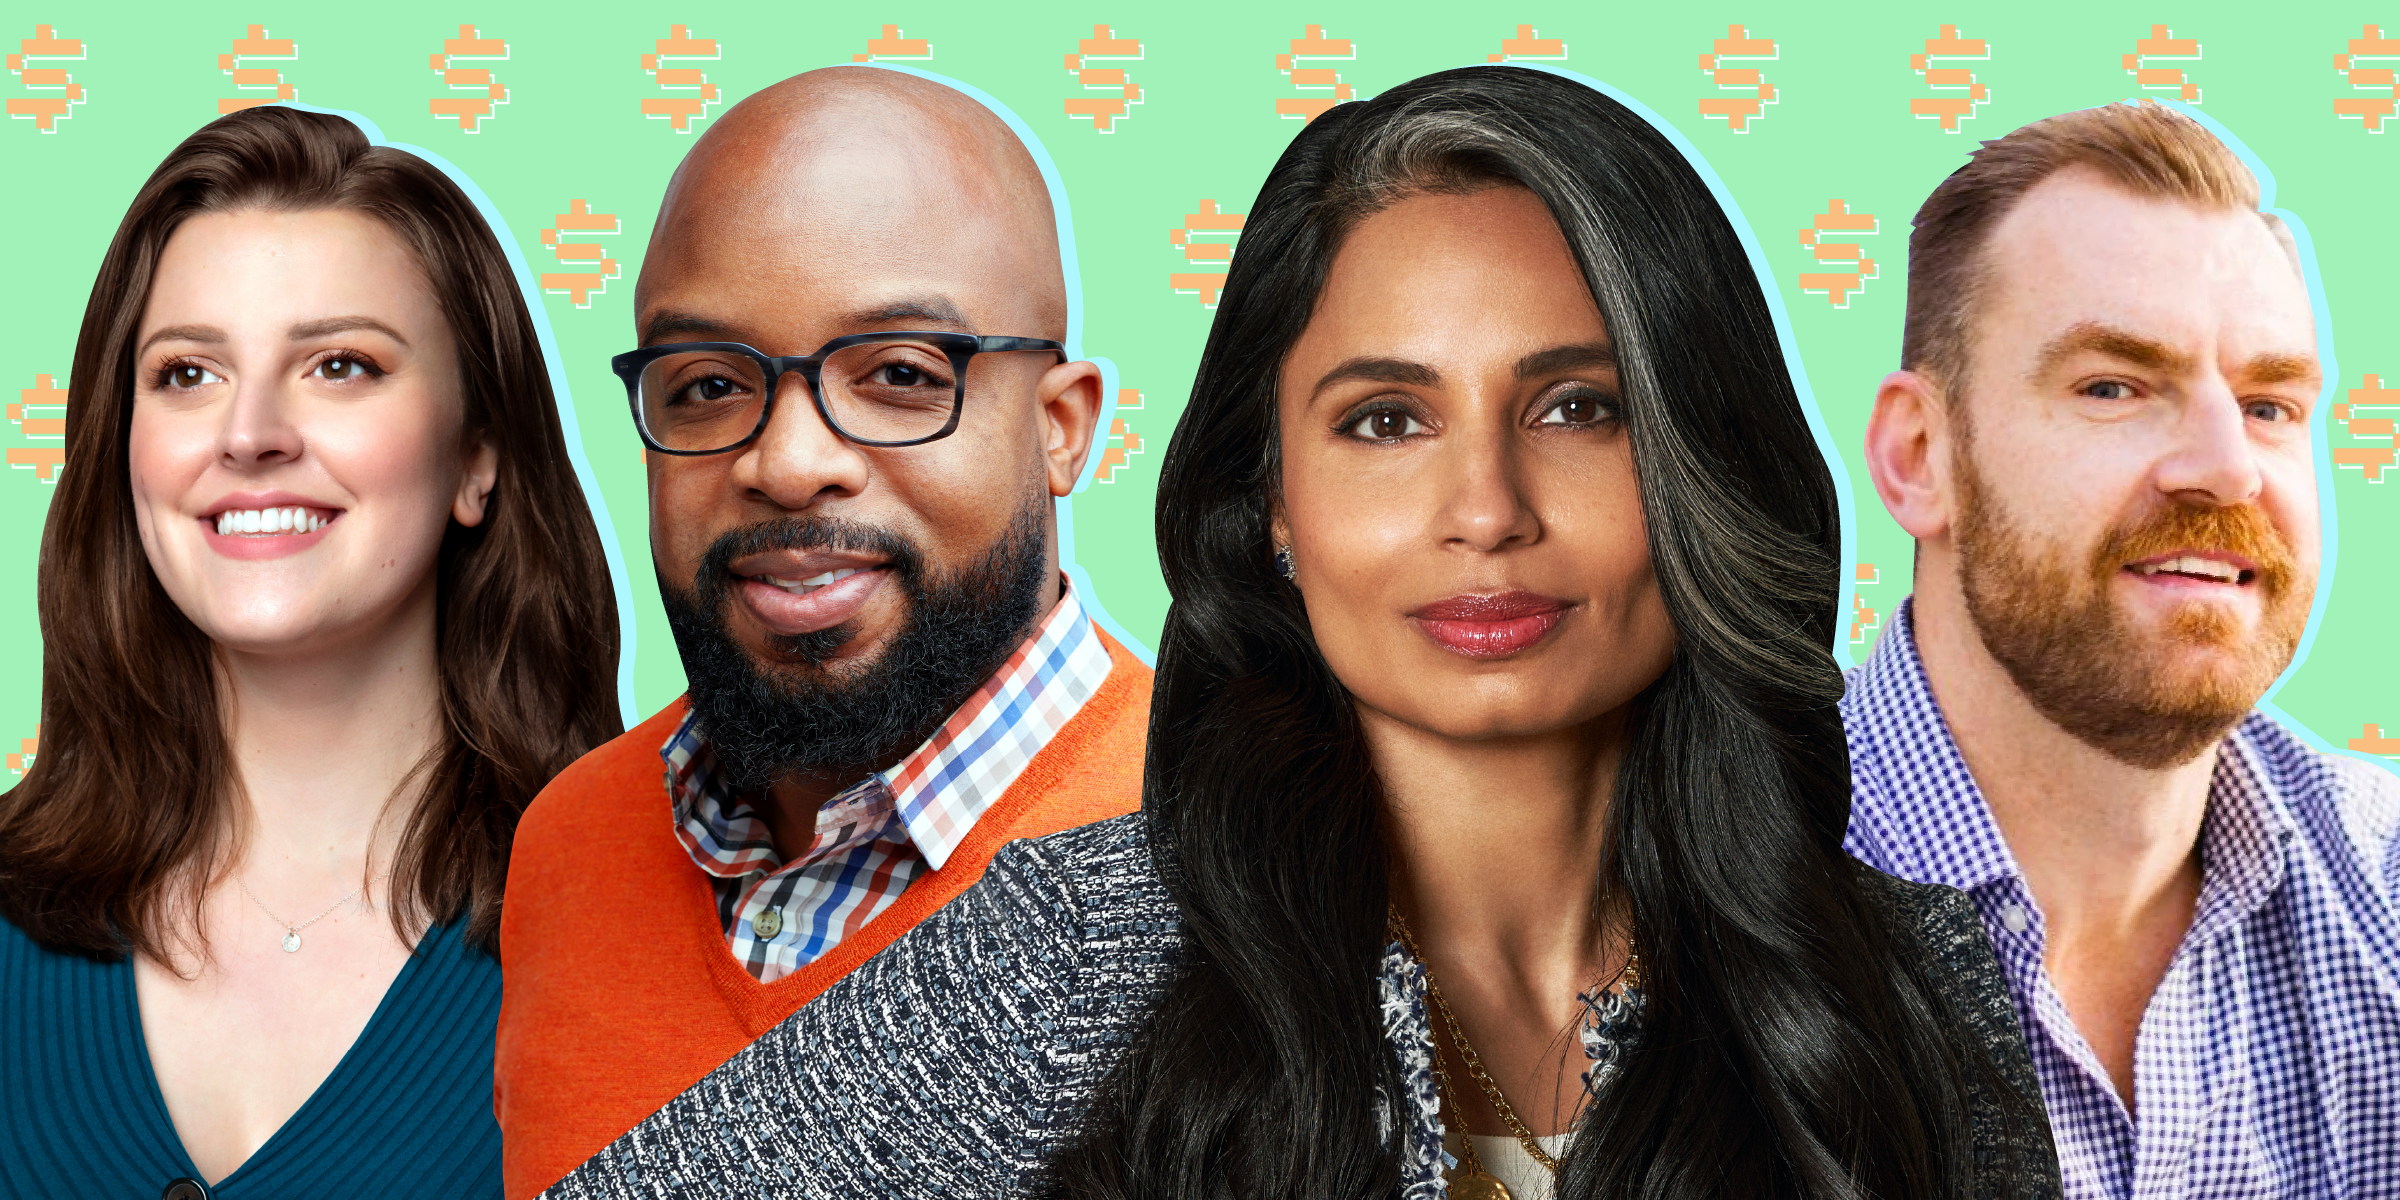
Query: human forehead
[
  {"x": 1452, "y": 281},
  {"x": 2079, "y": 251},
  {"x": 270, "y": 267},
  {"x": 825, "y": 227}
]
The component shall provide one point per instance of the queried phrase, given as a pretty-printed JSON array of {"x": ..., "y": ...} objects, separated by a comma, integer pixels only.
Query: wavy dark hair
[
  {"x": 134, "y": 785},
  {"x": 1792, "y": 1047}
]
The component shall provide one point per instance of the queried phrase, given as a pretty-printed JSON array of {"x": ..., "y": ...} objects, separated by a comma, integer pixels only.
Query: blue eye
[{"x": 2108, "y": 389}]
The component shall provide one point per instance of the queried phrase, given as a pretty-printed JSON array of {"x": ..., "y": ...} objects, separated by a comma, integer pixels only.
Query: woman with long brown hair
[{"x": 322, "y": 608}]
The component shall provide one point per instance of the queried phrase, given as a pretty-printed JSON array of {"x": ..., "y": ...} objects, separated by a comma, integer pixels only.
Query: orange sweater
[{"x": 618, "y": 991}]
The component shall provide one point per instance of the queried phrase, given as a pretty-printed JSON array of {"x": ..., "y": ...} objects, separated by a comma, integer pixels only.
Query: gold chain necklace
[{"x": 1478, "y": 1183}]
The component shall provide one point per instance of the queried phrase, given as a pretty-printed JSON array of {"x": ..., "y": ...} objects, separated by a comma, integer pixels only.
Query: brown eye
[
  {"x": 341, "y": 369},
  {"x": 1385, "y": 425},
  {"x": 711, "y": 390},
  {"x": 1578, "y": 410},
  {"x": 186, "y": 378}
]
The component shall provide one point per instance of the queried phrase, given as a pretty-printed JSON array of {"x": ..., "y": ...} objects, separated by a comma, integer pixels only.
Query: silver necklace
[{"x": 291, "y": 932}]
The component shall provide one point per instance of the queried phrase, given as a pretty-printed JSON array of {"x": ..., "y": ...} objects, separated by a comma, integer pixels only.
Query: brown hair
[
  {"x": 107, "y": 844},
  {"x": 2147, "y": 149}
]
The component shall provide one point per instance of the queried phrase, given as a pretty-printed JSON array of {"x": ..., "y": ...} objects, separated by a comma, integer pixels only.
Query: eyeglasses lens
[{"x": 704, "y": 400}]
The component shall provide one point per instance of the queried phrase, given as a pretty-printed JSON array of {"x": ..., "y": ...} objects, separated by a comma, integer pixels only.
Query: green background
[{"x": 1207, "y": 129}]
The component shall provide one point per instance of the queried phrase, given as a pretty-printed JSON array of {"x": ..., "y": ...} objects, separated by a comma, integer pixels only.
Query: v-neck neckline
[{"x": 330, "y": 1091}]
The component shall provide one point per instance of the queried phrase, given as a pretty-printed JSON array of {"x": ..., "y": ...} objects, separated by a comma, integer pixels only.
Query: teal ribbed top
[{"x": 407, "y": 1112}]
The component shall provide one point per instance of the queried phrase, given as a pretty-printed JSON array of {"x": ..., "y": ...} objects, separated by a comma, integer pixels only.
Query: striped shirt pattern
[
  {"x": 878, "y": 835},
  {"x": 2268, "y": 1060}
]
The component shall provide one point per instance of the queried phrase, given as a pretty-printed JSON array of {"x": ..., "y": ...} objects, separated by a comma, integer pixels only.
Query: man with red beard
[{"x": 2101, "y": 444}]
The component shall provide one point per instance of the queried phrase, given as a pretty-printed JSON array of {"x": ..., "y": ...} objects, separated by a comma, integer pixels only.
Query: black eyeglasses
[{"x": 903, "y": 388}]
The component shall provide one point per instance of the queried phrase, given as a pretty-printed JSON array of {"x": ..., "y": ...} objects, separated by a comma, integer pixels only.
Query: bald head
[
  {"x": 834, "y": 597},
  {"x": 902, "y": 190}
]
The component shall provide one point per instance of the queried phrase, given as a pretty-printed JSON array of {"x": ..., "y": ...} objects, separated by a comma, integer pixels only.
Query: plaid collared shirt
[
  {"x": 2268, "y": 1060},
  {"x": 879, "y": 834}
]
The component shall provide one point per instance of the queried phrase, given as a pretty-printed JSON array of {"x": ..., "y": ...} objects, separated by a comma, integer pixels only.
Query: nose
[
  {"x": 798, "y": 460},
  {"x": 258, "y": 430},
  {"x": 1487, "y": 504},
  {"x": 2211, "y": 460}
]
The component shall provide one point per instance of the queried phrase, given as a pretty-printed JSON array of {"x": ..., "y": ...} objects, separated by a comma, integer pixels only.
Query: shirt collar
[
  {"x": 939, "y": 790},
  {"x": 1914, "y": 800},
  {"x": 2245, "y": 836},
  {"x": 1919, "y": 806},
  {"x": 945, "y": 785}
]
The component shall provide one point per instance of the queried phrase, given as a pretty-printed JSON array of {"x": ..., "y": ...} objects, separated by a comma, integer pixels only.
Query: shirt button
[
  {"x": 184, "y": 1189},
  {"x": 2014, "y": 918},
  {"x": 767, "y": 924}
]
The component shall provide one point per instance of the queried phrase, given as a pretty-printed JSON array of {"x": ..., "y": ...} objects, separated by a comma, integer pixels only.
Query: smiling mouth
[
  {"x": 2192, "y": 566},
  {"x": 802, "y": 587},
  {"x": 273, "y": 522}
]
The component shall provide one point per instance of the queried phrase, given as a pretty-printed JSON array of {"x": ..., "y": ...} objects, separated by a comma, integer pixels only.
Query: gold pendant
[{"x": 1477, "y": 1185}]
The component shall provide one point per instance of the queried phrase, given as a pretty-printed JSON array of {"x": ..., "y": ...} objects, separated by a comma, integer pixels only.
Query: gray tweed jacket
[{"x": 958, "y": 1060}]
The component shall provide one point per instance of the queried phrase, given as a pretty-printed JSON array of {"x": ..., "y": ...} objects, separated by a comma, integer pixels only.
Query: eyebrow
[
  {"x": 2127, "y": 346},
  {"x": 209, "y": 334},
  {"x": 1380, "y": 370},
  {"x": 2124, "y": 345},
  {"x": 674, "y": 325},
  {"x": 305, "y": 330},
  {"x": 935, "y": 309},
  {"x": 328, "y": 326},
  {"x": 1591, "y": 355},
  {"x": 2281, "y": 368}
]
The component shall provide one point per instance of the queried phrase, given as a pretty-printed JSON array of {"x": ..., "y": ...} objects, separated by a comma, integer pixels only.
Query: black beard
[{"x": 766, "y": 722}]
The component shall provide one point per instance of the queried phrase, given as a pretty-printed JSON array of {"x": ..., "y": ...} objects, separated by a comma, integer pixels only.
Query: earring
[{"x": 1283, "y": 563}]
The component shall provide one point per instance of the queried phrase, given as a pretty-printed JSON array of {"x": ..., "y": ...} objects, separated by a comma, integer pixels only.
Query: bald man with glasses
[{"x": 853, "y": 390}]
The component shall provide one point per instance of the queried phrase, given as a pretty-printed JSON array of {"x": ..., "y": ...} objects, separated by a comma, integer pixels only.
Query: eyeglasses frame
[{"x": 961, "y": 348}]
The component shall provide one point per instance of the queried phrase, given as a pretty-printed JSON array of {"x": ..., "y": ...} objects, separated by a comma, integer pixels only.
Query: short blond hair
[{"x": 2146, "y": 148}]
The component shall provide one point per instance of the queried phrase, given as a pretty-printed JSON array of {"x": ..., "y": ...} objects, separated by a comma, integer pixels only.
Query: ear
[
  {"x": 1069, "y": 400},
  {"x": 1908, "y": 453},
  {"x": 475, "y": 484}
]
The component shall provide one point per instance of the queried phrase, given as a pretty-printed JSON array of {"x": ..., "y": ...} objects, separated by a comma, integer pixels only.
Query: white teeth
[
  {"x": 805, "y": 586},
  {"x": 2206, "y": 568},
  {"x": 282, "y": 519}
]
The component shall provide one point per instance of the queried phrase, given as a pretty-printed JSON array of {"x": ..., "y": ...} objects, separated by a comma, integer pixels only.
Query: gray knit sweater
[{"x": 959, "y": 1059}]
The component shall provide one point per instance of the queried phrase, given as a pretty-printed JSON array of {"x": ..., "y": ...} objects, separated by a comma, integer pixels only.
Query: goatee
[
  {"x": 2081, "y": 660},
  {"x": 805, "y": 714}
]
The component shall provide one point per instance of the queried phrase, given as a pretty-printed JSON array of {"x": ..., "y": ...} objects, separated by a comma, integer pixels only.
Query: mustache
[
  {"x": 2242, "y": 530},
  {"x": 713, "y": 587},
  {"x": 811, "y": 533}
]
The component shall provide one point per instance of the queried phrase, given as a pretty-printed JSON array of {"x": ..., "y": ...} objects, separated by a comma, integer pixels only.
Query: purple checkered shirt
[
  {"x": 877, "y": 836},
  {"x": 2268, "y": 1060}
]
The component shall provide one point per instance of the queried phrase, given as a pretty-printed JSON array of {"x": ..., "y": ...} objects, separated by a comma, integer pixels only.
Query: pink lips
[
  {"x": 1490, "y": 626},
  {"x": 791, "y": 614},
  {"x": 254, "y": 547}
]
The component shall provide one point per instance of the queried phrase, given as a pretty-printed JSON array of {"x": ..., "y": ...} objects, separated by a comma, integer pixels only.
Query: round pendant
[
  {"x": 291, "y": 941},
  {"x": 1477, "y": 1186}
]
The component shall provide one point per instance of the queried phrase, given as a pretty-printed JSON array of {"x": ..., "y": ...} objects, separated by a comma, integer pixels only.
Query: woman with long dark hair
[
  {"x": 1491, "y": 832},
  {"x": 322, "y": 607}
]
